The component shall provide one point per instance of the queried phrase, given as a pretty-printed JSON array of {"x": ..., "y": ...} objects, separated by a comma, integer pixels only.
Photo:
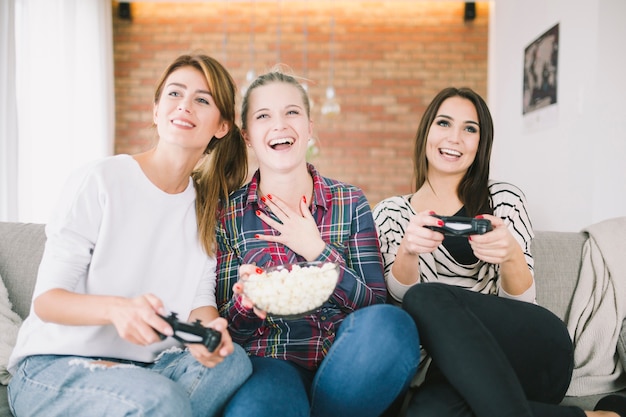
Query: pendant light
[
  {"x": 305, "y": 62},
  {"x": 331, "y": 107},
  {"x": 225, "y": 33},
  {"x": 251, "y": 74},
  {"x": 278, "y": 31},
  {"x": 312, "y": 150}
]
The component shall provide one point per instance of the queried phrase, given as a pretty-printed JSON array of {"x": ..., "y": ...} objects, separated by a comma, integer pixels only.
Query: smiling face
[
  {"x": 453, "y": 137},
  {"x": 277, "y": 125},
  {"x": 186, "y": 114}
]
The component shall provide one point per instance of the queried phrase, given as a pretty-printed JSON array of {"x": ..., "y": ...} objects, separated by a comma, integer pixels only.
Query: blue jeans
[
  {"x": 371, "y": 362},
  {"x": 175, "y": 385}
]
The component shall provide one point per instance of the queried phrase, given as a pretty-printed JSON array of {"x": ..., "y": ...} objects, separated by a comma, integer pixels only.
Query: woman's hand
[
  {"x": 225, "y": 348},
  {"x": 500, "y": 247},
  {"x": 497, "y": 246},
  {"x": 419, "y": 239},
  {"x": 137, "y": 321},
  {"x": 298, "y": 230},
  {"x": 244, "y": 271}
]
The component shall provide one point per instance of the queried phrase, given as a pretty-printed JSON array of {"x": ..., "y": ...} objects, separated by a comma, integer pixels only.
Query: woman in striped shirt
[
  {"x": 353, "y": 355},
  {"x": 489, "y": 349}
]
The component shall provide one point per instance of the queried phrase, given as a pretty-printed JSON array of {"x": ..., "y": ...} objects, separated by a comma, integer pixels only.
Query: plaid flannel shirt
[{"x": 345, "y": 222}]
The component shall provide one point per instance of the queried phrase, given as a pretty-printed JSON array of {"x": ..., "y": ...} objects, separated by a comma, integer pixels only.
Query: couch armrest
[
  {"x": 21, "y": 249},
  {"x": 557, "y": 258}
]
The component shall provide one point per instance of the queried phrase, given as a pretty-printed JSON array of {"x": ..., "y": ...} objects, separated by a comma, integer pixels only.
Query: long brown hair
[
  {"x": 473, "y": 189},
  {"x": 225, "y": 166}
]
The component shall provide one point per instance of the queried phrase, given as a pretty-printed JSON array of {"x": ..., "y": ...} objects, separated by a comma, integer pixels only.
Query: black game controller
[
  {"x": 462, "y": 226},
  {"x": 193, "y": 332}
]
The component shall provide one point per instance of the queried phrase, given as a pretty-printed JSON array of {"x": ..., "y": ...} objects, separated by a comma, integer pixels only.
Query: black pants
[{"x": 492, "y": 357}]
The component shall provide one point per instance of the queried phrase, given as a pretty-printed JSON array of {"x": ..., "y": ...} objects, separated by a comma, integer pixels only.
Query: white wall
[
  {"x": 64, "y": 96},
  {"x": 573, "y": 172}
]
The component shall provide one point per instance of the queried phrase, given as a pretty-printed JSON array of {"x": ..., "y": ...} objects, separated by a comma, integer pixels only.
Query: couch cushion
[
  {"x": 557, "y": 264},
  {"x": 21, "y": 249},
  {"x": 9, "y": 325}
]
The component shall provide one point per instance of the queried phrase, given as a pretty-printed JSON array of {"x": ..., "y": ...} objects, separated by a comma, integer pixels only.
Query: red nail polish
[
  {"x": 304, "y": 198},
  {"x": 480, "y": 216},
  {"x": 258, "y": 212},
  {"x": 440, "y": 223},
  {"x": 263, "y": 199},
  {"x": 469, "y": 238},
  {"x": 269, "y": 196},
  {"x": 256, "y": 236},
  {"x": 432, "y": 213},
  {"x": 258, "y": 271}
]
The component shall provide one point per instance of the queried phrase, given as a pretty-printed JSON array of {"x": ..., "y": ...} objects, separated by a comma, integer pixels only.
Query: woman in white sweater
[
  {"x": 122, "y": 252},
  {"x": 489, "y": 349}
]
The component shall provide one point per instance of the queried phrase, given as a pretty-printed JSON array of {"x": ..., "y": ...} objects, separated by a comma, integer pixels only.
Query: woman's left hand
[
  {"x": 298, "y": 230},
  {"x": 225, "y": 348},
  {"x": 496, "y": 246}
]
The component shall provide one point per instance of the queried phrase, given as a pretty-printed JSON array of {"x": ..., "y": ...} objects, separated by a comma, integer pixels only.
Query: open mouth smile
[{"x": 281, "y": 143}]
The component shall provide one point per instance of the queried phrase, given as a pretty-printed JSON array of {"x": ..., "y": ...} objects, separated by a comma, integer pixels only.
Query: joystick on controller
[
  {"x": 462, "y": 226},
  {"x": 193, "y": 332}
]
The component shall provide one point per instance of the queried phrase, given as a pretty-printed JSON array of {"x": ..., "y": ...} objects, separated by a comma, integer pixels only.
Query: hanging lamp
[
  {"x": 312, "y": 149},
  {"x": 225, "y": 33},
  {"x": 250, "y": 74},
  {"x": 331, "y": 107},
  {"x": 305, "y": 62}
]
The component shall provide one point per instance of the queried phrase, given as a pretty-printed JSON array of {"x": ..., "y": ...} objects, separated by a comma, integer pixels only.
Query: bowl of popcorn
[{"x": 292, "y": 290}]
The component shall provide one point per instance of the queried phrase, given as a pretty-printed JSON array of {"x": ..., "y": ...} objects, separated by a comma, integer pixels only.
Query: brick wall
[{"x": 390, "y": 59}]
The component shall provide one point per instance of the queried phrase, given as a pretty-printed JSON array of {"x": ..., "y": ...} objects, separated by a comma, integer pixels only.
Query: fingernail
[
  {"x": 256, "y": 236},
  {"x": 480, "y": 216},
  {"x": 440, "y": 223},
  {"x": 258, "y": 271},
  {"x": 263, "y": 199},
  {"x": 431, "y": 212},
  {"x": 469, "y": 238},
  {"x": 304, "y": 198},
  {"x": 269, "y": 196},
  {"x": 258, "y": 212}
]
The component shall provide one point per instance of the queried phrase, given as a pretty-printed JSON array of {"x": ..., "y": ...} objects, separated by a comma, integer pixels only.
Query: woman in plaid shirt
[{"x": 355, "y": 354}]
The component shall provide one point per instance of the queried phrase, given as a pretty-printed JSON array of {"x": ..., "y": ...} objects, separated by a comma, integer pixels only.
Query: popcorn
[{"x": 282, "y": 292}]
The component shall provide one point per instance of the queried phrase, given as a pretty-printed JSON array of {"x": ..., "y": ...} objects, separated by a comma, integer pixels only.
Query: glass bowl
[{"x": 292, "y": 290}]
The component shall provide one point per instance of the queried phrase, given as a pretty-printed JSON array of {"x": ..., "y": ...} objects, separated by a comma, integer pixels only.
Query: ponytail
[{"x": 221, "y": 172}]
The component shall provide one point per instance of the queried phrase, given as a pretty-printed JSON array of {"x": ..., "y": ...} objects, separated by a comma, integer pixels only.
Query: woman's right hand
[
  {"x": 244, "y": 271},
  {"x": 419, "y": 239},
  {"x": 137, "y": 319}
]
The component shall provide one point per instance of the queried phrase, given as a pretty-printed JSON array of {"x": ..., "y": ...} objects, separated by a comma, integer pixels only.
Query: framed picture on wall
[{"x": 541, "y": 63}]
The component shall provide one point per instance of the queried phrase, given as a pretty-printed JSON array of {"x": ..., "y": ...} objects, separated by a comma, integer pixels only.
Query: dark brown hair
[
  {"x": 473, "y": 189},
  {"x": 225, "y": 167}
]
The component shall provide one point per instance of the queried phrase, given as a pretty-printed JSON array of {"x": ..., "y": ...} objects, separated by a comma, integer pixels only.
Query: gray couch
[{"x": 557, "y": 263}]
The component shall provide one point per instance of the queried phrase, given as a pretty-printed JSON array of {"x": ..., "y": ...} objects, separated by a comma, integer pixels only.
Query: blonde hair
[{"x": 274, "y": 76}]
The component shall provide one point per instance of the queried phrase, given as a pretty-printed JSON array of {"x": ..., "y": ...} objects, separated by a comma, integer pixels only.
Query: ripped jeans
[{"x": 176, "y": 384}]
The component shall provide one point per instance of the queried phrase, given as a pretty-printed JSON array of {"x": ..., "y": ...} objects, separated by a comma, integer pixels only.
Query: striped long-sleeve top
[
  {"x": 392, "y": 217},
  {"x": 345, "y": 223}
]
